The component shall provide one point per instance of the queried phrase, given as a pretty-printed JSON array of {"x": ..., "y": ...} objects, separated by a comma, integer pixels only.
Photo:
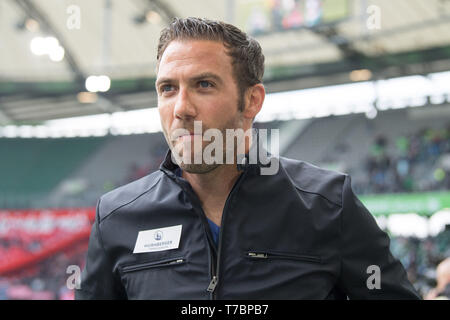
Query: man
[{"x": 221, "y": 230}]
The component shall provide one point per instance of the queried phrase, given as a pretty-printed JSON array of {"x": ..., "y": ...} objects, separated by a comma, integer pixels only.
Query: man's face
[{"x": 195, "y": 83}]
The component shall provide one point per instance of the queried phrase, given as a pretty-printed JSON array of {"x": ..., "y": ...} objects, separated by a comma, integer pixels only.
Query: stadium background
[{"x": 361, "y": 87}]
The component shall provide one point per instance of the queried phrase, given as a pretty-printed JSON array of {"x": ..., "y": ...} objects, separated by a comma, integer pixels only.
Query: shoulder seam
[
  {"x": 318, "y": 194},
  {"x": 127, "y": 203}
]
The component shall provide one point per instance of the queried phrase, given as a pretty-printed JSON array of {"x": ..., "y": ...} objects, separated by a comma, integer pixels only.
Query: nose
[{"x": 184, "y": 108}]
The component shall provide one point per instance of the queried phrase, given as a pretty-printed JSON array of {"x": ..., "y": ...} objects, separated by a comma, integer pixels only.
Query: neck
[
  {"x": 213, "y": 187},
  {"x": 215, "y": 182}
]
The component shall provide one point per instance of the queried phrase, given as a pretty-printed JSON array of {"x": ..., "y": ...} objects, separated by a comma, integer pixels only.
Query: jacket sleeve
[
  {"x": 368, "y": 269},
  {"x": 98, "y": 282}
]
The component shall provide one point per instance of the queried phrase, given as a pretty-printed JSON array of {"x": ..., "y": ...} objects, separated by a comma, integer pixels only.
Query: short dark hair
[{"x": 245, "y": 52}]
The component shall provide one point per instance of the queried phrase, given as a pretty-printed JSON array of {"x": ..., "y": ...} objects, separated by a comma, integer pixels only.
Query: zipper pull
[
  {"x": 212, "y": 284},
  {"x": 257, "y": 255},
  {"x": 176, "y": 261}
]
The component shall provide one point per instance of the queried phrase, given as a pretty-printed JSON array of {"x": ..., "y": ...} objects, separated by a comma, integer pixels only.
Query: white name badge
[{"x": 158, "y": 239}]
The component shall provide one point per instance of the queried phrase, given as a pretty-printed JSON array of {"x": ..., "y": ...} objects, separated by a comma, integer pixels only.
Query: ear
[{"x": 254, "y": 98}]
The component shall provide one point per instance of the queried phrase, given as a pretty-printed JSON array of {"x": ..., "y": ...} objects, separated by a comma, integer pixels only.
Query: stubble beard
[{"x": 203, "y": 168}]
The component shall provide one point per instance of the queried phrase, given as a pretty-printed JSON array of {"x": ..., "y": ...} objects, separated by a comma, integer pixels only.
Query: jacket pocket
[
  {"x": 262, "y": 255},
  {"x": 153, "y": 264}
]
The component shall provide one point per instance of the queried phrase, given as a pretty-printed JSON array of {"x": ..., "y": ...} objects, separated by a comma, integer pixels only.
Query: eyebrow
[{"x": 201, "y": 76}]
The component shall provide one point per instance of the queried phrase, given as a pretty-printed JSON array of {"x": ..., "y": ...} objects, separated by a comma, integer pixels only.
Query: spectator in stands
[{"x": 403, "y": 170}]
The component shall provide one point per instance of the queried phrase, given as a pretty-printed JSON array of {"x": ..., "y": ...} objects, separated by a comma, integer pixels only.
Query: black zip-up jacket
[{"x": 298, "y": 234}]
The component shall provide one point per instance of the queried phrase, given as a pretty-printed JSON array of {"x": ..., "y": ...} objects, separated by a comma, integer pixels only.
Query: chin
[{"x": 198, "y": 168}]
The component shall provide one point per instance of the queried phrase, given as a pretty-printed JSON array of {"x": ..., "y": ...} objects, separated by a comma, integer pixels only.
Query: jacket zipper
[
  {"x": 212, "y": 284},
  {"x": 214, "y": 262},
  {"x": 215, "y": 276},
  {"x": 153, "y": 264},
  {"x": 279, "y": 255},
  {"x": 257, "y": 255},
  {"x": 212, "y": 252}
]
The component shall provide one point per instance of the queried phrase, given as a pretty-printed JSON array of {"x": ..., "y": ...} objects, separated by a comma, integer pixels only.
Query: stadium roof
[{"x": 314, "y": 43}]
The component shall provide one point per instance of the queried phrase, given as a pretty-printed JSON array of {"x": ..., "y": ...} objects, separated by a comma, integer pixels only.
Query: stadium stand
[
  {"x": 421, "y": 256},
  {"x": 46, "y": 280},
  {"x": 32, "y": 168},
  {"x": 395, "y": 152},
  {"x": 383, "y": 155},
  {"x": 116, "y": 161}
]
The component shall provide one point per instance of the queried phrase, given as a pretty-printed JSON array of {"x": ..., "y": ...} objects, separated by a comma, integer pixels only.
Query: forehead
[{"x": 195, "y": 56}]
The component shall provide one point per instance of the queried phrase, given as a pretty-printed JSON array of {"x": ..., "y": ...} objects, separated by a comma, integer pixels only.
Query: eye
[
  {"x": 205, "y": 84},
  {"x": 167, "y": 88}
]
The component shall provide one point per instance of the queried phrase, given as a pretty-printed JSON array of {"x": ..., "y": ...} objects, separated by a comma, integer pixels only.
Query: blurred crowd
[
  {"x": 411, "y": 163},
  {"x": 421, "y": 257},
  {"x": 46, "y": 280}
]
